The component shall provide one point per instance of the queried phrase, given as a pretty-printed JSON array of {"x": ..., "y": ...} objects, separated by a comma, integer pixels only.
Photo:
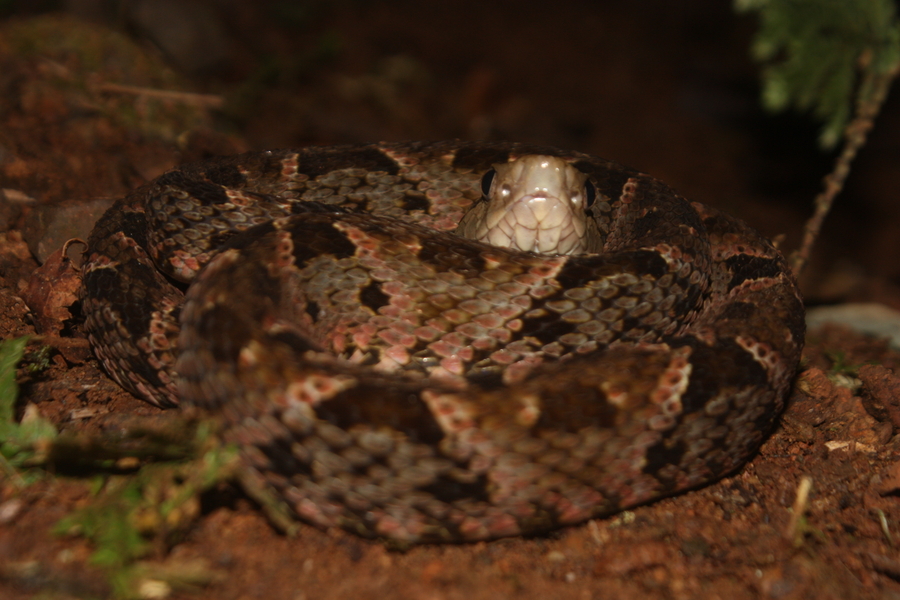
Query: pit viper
[{"x": 452, "y": 341}]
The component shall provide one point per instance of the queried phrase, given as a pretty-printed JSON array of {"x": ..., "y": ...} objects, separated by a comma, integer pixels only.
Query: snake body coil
[{"x": 390, "y": 377}]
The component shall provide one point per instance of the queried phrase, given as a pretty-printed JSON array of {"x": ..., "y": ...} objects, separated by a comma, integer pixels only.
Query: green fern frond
[{"x": 818, "y": 53}]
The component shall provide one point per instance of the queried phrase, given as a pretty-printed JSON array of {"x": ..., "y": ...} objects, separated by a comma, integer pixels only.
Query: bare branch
[{"x": 867, "y": 108}]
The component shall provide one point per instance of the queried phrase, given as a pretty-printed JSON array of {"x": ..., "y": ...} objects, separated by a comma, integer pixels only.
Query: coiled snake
[{"x": 595, "y": 344}]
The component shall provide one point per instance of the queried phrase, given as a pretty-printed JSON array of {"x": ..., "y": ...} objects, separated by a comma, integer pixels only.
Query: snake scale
[{"x": 384, "y": 374}]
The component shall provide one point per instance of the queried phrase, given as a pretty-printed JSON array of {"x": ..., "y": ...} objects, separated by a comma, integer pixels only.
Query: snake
[{"x": 431, "y": 342}]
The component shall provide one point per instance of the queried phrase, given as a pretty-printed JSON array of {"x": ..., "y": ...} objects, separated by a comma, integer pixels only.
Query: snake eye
[
  {"x": 487, "y": 181},
  {"x": 590, "y": 194}
]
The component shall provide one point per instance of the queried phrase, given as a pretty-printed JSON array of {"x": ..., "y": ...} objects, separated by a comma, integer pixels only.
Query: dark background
[{"x": 666, "y": 86}]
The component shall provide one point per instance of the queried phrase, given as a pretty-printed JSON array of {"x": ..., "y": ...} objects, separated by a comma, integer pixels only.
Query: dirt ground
[{"x": 94, "y": 102}]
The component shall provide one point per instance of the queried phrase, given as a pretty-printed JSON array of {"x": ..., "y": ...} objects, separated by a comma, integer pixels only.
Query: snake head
[{"x": 534, "y": 203}]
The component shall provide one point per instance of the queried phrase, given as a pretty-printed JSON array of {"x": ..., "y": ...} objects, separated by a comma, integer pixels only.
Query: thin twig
[
  {"x": 867, "y": 108},
  {"x": 202, "y": 100},
  {"x": 792, "y": 532},
  {"x": 885, "y": 528}
]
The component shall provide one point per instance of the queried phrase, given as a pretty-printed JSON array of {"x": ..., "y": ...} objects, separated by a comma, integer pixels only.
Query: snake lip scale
[{"x": 382, "y": 374}]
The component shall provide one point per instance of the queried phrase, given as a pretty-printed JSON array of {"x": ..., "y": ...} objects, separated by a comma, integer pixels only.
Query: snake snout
[{"x": 539, "y": 223}]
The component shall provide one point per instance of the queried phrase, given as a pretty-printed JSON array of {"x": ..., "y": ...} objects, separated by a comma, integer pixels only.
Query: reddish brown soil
[{"x": 665, "y": 89}]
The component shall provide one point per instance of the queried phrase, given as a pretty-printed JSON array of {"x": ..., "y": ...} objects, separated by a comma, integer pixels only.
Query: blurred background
[{"x": 97, "y": 96}]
